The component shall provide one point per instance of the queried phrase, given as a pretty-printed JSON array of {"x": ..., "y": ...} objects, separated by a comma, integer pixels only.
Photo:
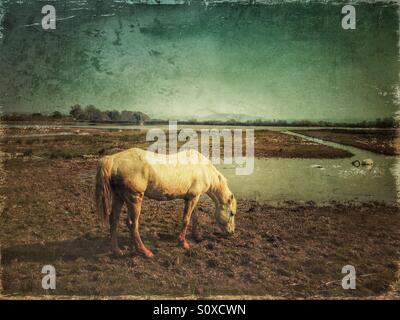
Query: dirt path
[{"x": 379, "y": 141}]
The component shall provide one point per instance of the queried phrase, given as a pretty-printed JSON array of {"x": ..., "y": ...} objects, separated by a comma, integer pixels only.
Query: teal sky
[{"x": 282, "y": 61}]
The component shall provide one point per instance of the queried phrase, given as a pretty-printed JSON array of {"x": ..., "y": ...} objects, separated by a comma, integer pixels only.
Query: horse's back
[
  {"x": 184, "y": 173},
  {"x": 167, "y": 179}
]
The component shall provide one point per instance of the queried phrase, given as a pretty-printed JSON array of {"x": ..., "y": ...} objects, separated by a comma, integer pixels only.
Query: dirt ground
[
  {"x": 379, "y": 141},
  {"x": 292, "y": 250}
]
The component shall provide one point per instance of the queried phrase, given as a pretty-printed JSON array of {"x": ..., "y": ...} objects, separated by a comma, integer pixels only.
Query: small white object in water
[
  {"x": 367, "y": 162},
  {"x": 318, "y": 166}
]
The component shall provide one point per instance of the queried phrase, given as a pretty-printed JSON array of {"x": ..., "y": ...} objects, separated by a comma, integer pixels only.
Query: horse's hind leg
[
  {"x": 129, "y": 225},
  {"x": 134, "y": 209},
  {"x": 187, "y": 212},
  {"x": 114, "y": 219}
]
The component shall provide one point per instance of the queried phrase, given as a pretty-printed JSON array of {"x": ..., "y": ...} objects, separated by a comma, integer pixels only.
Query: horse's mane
[{"x": 220, "y": 185}]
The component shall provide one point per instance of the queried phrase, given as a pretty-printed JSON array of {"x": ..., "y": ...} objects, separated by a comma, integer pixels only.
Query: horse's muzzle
[{"x": 229, "y": 233}]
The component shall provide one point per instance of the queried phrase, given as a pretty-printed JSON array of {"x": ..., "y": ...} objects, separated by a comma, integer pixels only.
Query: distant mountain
[{"x": 216, "y": 116}]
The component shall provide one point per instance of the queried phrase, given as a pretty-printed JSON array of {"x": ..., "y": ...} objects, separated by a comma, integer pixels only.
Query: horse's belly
[{"x": 163, "y": 194}]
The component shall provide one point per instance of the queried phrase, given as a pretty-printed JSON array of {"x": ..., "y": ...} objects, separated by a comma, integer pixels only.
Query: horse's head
[{"x": 225, "y": 214}]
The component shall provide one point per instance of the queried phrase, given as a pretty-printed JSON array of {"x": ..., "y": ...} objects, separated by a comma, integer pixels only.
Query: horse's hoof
[
  {"x": 146, "y": 253},
  {"x": 183, "y": 242},
  {"x": 186, "y": 245}
]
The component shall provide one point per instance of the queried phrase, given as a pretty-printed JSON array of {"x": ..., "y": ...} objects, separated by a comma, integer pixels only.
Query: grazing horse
[{"x": 128, "y": 176}]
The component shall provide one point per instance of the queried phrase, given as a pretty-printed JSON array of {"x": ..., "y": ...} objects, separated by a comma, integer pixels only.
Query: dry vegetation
[
  {"x": 72, "y": 143},
  {"x": 292, "y": 250}
]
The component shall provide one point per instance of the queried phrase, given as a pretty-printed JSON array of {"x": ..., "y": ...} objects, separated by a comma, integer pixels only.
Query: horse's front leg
[{"x": 190, "y": 204}]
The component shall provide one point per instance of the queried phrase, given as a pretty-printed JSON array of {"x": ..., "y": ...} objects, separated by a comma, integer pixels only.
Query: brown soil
[
  {"x": 379, "y": 141},
  {"x": 277, "y": 144},
  {"x": 293, "y": 250}
]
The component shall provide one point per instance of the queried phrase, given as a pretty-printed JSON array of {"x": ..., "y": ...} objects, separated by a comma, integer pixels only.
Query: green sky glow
[{"x": 288, "y": 61}]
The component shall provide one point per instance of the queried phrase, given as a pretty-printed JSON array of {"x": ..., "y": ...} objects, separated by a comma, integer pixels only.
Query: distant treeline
[
  {"x": 77, "y": 113},
  {"x": 36, "y": 116},
  {"x": 378, "y": 123},
  {"x": 92, "y": 114}
]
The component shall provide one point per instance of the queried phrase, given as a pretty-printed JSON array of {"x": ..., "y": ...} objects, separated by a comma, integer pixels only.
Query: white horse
[{"x": 128, "y": 176}]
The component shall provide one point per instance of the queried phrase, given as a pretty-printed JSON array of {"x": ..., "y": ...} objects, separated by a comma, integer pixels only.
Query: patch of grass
[{"x": 27, "y": 153}]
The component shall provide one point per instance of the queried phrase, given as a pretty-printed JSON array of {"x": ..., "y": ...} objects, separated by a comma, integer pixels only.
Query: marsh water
[{"x": 319, "y": 180}]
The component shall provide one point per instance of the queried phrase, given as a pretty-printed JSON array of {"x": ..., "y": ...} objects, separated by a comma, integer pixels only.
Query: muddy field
[
  {"x": 291, "y": 250},
  {"x": 69, "y": 143},
  {"x": 379, "y": 141}
]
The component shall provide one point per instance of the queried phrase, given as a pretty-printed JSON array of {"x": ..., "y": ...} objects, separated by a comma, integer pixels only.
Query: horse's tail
[{"x": 103, "y": 189}]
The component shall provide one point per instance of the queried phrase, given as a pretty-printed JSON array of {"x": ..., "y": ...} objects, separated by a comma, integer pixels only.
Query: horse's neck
[{"x": 214, "y": 198}]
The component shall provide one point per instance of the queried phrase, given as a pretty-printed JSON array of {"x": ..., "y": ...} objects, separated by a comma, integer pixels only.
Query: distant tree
[
  {"x": 76, "y": 111},
  {"x": 57, "y": 115},
  {"x": 127, "y": 116},
  {"x": 140, "y": 117},
  {"x": 385, "y": 123},
  {"x": 101, "y": 116},
  {"x": 37, "y": 115},
  {"x": 91, "y": 113},
  {"x": 114, "y": 115}
]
